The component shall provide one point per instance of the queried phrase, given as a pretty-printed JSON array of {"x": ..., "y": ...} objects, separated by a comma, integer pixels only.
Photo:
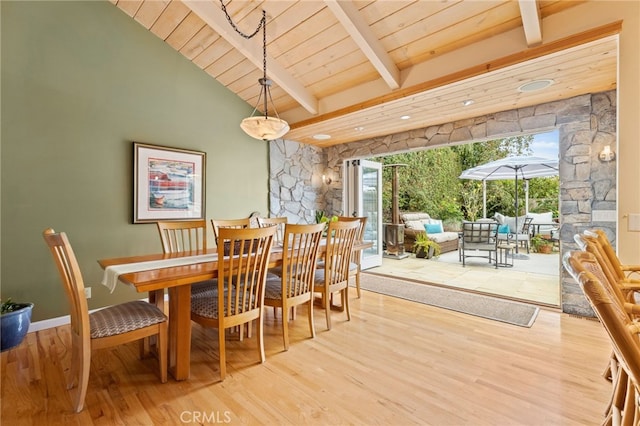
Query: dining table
[{"x": 176, "y": 272}]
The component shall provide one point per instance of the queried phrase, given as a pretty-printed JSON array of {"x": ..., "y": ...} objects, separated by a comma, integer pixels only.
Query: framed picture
[{"x": 168, "y": 183}]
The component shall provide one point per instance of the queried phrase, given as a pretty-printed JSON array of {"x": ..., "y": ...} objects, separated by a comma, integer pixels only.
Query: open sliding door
[{"x": 363, "y": 197}]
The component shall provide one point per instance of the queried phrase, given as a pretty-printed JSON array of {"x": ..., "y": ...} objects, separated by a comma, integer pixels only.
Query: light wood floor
[{"x": 396, "y": 362}]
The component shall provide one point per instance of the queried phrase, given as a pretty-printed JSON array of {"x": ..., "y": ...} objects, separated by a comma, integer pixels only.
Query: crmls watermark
[{"x": 205, "y": 417}]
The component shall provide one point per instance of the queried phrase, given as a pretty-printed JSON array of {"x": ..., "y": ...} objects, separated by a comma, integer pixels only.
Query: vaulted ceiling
[{"x": 351, "y": 69}]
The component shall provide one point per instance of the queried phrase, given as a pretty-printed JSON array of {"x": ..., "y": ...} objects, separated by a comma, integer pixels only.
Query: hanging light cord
[{"x": 264, "y": 81}]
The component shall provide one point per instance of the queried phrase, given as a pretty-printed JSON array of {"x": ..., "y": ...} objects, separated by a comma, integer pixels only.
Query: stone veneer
[{"x": 587, "y": 186}]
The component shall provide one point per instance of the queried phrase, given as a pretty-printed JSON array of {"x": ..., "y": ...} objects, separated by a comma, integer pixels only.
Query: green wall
[{"x": 80, "y": 82}]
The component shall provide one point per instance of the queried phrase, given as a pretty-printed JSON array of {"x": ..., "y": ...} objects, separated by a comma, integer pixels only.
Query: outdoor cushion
[
  {"x": 542, "y": 218},
  {"x": 433, "y": 228},
  {"x": 486, "y": 220},
  {"x": 545, "y": 218},
  {"x": 503, "y": 229},
  {"x": 511, "y": 221},
  {"x": 418, "y": 225},
  {"x": 406, "y": 217},
  {"x": 443, "y": 237}
]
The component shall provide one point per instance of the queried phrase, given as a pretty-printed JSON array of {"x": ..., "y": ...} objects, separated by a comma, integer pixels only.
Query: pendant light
[{"x": 261, "y": 126}]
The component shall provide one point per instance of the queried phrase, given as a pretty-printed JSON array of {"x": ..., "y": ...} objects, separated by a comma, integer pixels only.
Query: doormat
[{"x": 511, "y": 312}]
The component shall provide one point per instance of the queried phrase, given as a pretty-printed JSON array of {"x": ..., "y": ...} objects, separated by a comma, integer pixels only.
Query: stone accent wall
[
  {"x": 296, "y": 189},
  {"x": 588, "y": 186}
]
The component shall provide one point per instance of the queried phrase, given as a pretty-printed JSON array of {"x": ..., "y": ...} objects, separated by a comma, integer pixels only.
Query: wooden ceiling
[{"x": 351, "y": 69}]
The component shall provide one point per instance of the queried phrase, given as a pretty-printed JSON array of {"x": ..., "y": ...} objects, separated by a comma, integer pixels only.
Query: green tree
[{"x": 430, "y": 181}]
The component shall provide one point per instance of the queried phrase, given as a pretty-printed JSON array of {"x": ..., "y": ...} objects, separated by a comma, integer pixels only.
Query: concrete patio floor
[{"x": 535, "y": 280}]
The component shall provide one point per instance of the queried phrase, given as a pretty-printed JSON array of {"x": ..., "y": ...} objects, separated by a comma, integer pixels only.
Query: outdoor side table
[{"x": 504, "y": 253}]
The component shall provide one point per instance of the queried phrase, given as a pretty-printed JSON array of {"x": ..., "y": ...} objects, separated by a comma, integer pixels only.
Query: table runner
[{"x": 111, "y": 273}]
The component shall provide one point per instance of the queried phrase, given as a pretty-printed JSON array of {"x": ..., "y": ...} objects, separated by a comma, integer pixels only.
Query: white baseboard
[{"x": 49, "y": 323}]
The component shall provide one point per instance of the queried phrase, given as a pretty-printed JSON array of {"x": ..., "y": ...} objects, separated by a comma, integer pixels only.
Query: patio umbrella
[{"x": 520, "y": 167}]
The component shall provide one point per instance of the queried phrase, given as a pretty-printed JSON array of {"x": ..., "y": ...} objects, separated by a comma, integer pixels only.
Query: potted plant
[
  {"x": 541, "y": 244},
  {"x": 321, "y": 217},
  {"x": 424, "y": 247},
  {"x": 15, "y": 319}
]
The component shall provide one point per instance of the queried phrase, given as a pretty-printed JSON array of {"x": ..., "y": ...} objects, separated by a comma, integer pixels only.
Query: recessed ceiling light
[
  {"x": 535, "y": 85},
  {"x": 358, "y": 129},
  {"x": 405, "y": 117},
  {"x": 467, "y": 102},
  {"x": 321, "y": 137}
]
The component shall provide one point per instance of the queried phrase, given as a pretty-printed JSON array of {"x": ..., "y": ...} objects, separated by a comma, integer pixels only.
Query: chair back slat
[
  {"x": 72, "y": 281},
  {"x": 622, "y": 330},
  {"x": 301, "y": 245},
  {"x": 241, "y": 223},
  {"x": 242, "y": 270},
  {"x": 590, "y": 260},
  {"x": 182, "y": 236},
  {"x": 278, "y": 222},
  {"x": 479, "y": 232},
  {"x": 526, "y": 225},
  {"x": 341, "y": 236},
  {"x": 608, "y": 251}
]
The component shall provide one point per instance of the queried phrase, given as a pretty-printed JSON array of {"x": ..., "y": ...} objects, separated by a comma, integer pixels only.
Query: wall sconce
[
  {"x": 606, "y": 154},
  {"x": 326, "y": 179}
]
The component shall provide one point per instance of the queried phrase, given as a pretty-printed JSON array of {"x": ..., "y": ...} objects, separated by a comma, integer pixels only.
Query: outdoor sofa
[{"x": 416, "y": 223}]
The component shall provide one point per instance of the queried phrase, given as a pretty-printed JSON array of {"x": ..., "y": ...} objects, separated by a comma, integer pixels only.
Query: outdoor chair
[
  {"x": 522, "y": 238},
  {"x": 479, "y": 239}
]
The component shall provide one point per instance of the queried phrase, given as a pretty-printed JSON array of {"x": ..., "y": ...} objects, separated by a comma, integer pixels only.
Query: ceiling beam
[
  {"x": 531, "y": 21},
  {"x": 210, "y": 13},
  {"x": 359, "y": 30},
  {"x": 556, "y": 46}
]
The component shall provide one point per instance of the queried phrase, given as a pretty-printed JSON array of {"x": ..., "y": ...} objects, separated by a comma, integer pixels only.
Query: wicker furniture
[{"x": 414, "y": 225}]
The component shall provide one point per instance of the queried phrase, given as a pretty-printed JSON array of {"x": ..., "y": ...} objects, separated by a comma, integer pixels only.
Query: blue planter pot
[{"x": 14, "y": 326}]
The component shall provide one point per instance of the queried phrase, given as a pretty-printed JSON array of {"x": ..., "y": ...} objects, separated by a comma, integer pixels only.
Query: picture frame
[{"x": 168, "y": 183}]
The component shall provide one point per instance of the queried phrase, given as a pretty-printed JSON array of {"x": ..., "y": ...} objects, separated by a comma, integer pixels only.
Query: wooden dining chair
[
  {"x": 618, "y": 320},
  {"x": 241, "y": 223},
  {"x": 179, "y": 237},
  {"x": 333, "y": 277},
  {"x": 630, "y": 273},
  {"x": 241, "y": 284},
  {"x": 609, "y": 262},
  {"x": 111, "y": 326},
  {"x": 590, "y": 244},
  {"x": 355, "y": 267},
  {"x": 278, "y": 222},
  {"x": 294, "y": 287},
  {"x": 182, "y": 236}
]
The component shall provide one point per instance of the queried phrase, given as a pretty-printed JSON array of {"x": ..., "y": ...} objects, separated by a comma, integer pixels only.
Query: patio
[{"x": 534, "y": 280}]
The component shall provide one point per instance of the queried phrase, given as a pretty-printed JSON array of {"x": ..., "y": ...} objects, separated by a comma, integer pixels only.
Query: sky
[{"x": 545, "y": 145}]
